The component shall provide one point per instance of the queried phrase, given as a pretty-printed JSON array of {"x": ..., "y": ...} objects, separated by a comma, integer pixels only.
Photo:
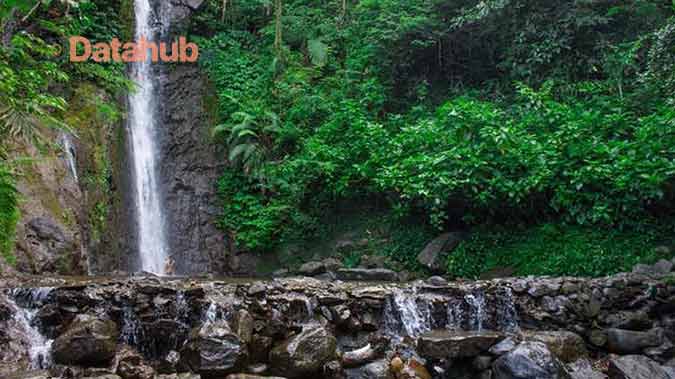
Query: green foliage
[
  {"x": 555, "y": 249},
  {"x": 9, "y": 213},
  {"x": 470, "y": 112}
]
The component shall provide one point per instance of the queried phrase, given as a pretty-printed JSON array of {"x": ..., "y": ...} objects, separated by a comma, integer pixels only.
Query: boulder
[
  {"x": 437, "y": 281},
  {"x": 251, "y": 376},
  {"x": 529, "y": 360},
  {"x": 434, "y": 255},
  {"x": 312, "y": 268},
  {"x": 375, "y": 370},
  {"x": 332, "y": 264},
  {"x": 445, "y": 344},
  {"x": 86, "y": 342},
  {"x": 304, "y": 354},
  {"x": 631, "y": 320},
  {"x": 131, "y": 365},
  {"x": 503, "y": 347},
  {"x": 623, "y": 341},
  {"x": 567, "y": 346},
  {"x": 635, "y": 367},
  {"x": 367, "y": 275},
  {"x": 582, "y": 369},
  {"x": 243, "y": 325},
  {"x": 214, "y": 350},
  {"x": 660, "y": 268}
]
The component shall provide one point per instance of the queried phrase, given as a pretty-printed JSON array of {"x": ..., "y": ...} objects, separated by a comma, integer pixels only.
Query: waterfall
[
  {"x": 403, "y": 314},
  {"x": 152, "y": 244},
  {"x": 39, "y": 347},
  {"x": 69, "y": 151},
  {"x": 477, "y": 316}
]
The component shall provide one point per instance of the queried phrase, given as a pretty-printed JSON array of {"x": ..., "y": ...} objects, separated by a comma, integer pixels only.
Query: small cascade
[
  {"x": 70, "y": 154},
  {"x": 407, "y": 314},
  {"x": 132, "y": 331},
  {"x": 477, "y": 314},
  {"x": 507, "y": 315},
  {"x": 455, "y": 315},
  {"x": 25, "y": 304},
  {"x": 182, "y": 308},
  {"x": 212, "y": 314}
]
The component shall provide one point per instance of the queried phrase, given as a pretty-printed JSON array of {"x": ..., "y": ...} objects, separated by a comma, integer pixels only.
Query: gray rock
[
  {"x": 635, "y": 367},
  {"x": 243, "y": 325},
  {"x": 582, "y": 369},
  {"x": 87, "y": 342},
  {"x": 434, "y": 255},
  {"x": 660, "y": 268},
  {"x": 332, "y": 264},
  {"x": 631, "y": 320},
  {"x": 312, "y": 268},
  {"x": 437, "y": 281},
  {"x": 670, "y": 371},
  {"x": 503, "y": 347},
  {"x": 529, "y": 360},
  {"x": 367, "y": 275},
  {"x": 129, "y": 364},
  {"x": 544, "y": 287},
  {"x": 305, "y": 353},
  {"x": 481, "y": 362},
  {"x": 213, "y": 350},
  {"x": 375, "y": 370},
  {"x": 622, "y": 341},
  {"x": 444, "y": 344},
  {"x": 567, "y": 346}
]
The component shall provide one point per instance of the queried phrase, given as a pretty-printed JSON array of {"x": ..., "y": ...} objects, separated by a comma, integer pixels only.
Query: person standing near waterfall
[{"x": 170, "y": 267}]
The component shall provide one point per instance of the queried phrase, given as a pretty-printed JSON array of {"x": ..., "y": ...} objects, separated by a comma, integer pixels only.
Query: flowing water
[
  {"x": 69, "y": 151},
  {"x": 25, "y": 305},
  {"x": 152, "y": 244}
]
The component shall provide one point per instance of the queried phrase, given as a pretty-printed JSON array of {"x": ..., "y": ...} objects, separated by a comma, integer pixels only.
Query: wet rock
[
  {"x": 529, "y": 360},
  {"x": 333, "y": 370},
  {"x": 567, "y": 346},
  {"x": 503, "y": 347},
  {"x": 312, "y": 269},
  {"x": 375, "y": 370},
  {"x": 305, "y": 353},
  {"x": 214, "y": 350},
  {"x": 257, "y": 288},
  {"x": 434, "y": 255},
  {"x": 367, "y": 275},
  {"x": 170, "y": 363},
  {"x": 481, "y": 362},
  {"x": 660, "y": 268},
  {"x": 243, "y": 325},
  {"x": 622, "y": 341},
  {"x": 37, "y": 374},
  {"x": 444, "y": 344},
  {"x": 130, "y": 365},
  {"x": 582, "y": 369},
  {"x": 251, "y": 376},
  {"x": 544, "y": 287},
  {"x": 86, "y": 342},
  {"x": 631, "y": 320},
  {"x": 635, "y": 367},
  {"x": 359, "y": 357},
  {"x": 437, "y": 281}
]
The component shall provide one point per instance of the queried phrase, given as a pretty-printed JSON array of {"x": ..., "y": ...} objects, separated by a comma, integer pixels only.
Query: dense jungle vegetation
[
  {"x": 37, "y": 79},
  {"x": 546, "y": 129}
]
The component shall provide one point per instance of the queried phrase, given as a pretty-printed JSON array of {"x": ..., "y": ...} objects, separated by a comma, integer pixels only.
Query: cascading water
[
  {"x": 39, "y": 347},
  {"x": 69, "y": 151},
  {"x": 477, "y": 315},
  {"x": 152, "y": 244},
  {"x": 403, "y": 314}
]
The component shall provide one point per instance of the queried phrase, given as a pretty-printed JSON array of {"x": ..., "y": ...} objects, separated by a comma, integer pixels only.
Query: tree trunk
[
  {"x": 277, "y": 36},
  {"x": 8, "y": 28}
]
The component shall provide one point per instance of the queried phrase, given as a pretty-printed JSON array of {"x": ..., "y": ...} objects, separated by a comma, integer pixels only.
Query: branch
[{"x": 36, "y": 6}]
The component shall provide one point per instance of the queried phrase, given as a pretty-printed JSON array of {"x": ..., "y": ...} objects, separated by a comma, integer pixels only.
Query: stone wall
[{"x": 307, "y": 328}]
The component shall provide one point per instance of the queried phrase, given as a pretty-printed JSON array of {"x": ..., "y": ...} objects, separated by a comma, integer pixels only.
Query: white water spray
[
  {"x": 152, "y": 244},
  {"x": 69, "y": 151},
  {"x": 39, "y": 347}
]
